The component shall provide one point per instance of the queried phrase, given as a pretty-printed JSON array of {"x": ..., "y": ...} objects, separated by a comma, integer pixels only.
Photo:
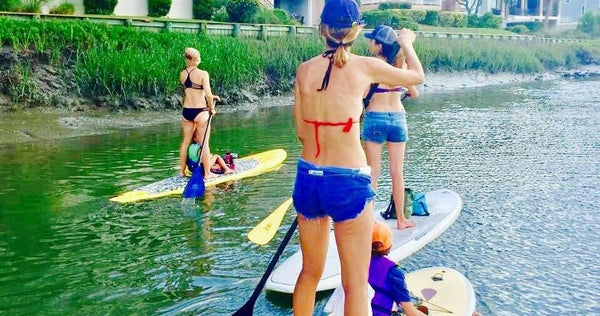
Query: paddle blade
[
  {"x": 266, "y": 230},
  {"x": 195, "y": 186}
]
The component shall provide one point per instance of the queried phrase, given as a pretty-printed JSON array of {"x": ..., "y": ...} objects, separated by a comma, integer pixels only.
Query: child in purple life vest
[{"x": 386, "y": 278}]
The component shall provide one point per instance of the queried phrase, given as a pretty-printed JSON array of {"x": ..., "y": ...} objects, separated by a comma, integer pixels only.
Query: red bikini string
[{"x": 347, "y": 127}]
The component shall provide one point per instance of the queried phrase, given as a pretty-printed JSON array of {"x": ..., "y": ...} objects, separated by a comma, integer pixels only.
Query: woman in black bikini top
[
  {"x": 190, "y": 114},
  {"x": 198, "y": 104}
]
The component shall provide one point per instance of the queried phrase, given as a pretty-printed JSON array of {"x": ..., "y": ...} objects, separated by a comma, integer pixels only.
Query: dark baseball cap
[
  {"x": 340, "y": 13},
  {"x": 383, "y": 34}
]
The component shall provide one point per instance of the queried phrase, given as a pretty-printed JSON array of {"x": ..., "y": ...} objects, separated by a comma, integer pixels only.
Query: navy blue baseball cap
[
  {"x": 383, "y": 34},
  {"x": 340, "y": 13}
]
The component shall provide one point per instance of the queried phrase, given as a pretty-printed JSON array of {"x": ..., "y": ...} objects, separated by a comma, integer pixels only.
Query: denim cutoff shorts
[
  {"x": 379, "y": 127},
  {"x": 341, "y": 193}
]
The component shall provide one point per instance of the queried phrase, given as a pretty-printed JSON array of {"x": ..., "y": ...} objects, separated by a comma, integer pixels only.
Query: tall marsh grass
[{"x": 125, "y": 62}]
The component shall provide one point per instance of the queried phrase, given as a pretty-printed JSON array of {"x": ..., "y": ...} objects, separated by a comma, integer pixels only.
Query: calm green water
[{"x": 525, "y": 159}]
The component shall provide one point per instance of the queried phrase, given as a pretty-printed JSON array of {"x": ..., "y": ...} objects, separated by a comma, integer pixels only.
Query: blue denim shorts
[
  {"x": 379, "y": 127},
  {"x": 341, "y": 193}
]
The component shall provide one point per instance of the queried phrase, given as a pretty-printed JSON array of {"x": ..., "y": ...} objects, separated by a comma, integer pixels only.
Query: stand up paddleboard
[
  {"x": 444, "y": 291},
  {"x": 444, "y": 207},
  {"x": 244, "y": 167}
]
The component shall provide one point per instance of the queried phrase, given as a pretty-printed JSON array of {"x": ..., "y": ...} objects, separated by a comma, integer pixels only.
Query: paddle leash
[
  {"x": 248, "y": 308},
  {"x": 195, "y": 186},
  {"x": 420, "y": 301}
]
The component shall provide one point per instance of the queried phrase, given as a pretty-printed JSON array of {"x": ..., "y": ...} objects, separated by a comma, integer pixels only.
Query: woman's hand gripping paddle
[
  {"x": 248, "y": 308},
  {"x": 266, "y": 230},
  {"x": 195, "y": 186}
]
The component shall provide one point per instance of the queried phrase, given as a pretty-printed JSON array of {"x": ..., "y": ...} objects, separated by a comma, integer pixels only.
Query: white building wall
[
  {"x": 132, "y": 8},
  {"x": 181, "y": 9}
]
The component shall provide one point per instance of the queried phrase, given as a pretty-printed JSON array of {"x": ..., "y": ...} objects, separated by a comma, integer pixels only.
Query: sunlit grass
[{"x": 122, "y": 61}]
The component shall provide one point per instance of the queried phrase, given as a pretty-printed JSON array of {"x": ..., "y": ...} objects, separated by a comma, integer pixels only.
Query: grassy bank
[{"x": 125, "y": 63}]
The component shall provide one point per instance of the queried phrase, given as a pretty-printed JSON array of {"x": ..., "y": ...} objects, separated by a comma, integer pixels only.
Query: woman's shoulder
[
  {"x": 311, "y": 61},
  {"x": 307, "y": 65},
  {"x": 368, "y": 60}
]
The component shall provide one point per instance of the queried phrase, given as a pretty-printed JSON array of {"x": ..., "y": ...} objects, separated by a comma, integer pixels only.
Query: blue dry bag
[{"x": 419, "y": 205}]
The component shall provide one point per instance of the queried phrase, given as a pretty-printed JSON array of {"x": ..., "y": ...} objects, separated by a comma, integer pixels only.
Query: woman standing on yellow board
[
  {"x": 385, "y": 119},
  {"x": 198, "y": 106},
  {"x": 333, "y": 179}
]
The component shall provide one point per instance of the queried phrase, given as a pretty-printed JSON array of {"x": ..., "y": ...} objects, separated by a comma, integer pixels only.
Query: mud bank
[{"x": 35, "y": 124}]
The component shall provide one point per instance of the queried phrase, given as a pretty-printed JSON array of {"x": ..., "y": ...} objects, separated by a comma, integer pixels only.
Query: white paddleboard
[
  {"x": 444, "y": 291},
  {"x": 444, "y": 207}
]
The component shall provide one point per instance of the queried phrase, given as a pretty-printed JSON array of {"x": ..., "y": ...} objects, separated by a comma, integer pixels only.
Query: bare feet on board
[
  {"x": 404, "y": 224},
  {"x": 210, "y": 175}
]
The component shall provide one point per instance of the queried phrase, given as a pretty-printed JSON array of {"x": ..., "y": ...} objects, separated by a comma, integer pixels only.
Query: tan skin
[
  {"x": 389, "y": 102},
  {"x": 341, "y": 100},
  {"x": 194, "y": 98},
  {"x": 216, "y": 162}
]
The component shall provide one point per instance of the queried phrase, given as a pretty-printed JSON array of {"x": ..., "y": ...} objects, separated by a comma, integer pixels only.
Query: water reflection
[{"x": 524, "y": 158}]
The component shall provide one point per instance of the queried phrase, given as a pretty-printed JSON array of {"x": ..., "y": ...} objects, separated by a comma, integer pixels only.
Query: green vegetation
[
  {"x": 202, "y": 9},
  {"x": 105, "y": 7},
  {"x": 124, "y": 62},
  {"x": 9, "y": 5},
  {"x": 241, "y": 10},
  {"x": 394, "y": 5},
  {"x": 397, "y": 15},
  {"x": 63, "y": 8},
  {"x": 495, "y": 56},
  {"x": 464, "y": 30},
  {"x": 590, "y": 25},
  {"x": 158, "y": 8}
]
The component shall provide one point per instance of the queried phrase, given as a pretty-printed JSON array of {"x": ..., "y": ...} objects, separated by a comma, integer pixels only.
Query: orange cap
[{"x": 382, "y": 237}]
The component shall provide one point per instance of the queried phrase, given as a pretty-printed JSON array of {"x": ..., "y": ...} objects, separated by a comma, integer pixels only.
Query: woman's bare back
[{"x": 194, "y": 98}]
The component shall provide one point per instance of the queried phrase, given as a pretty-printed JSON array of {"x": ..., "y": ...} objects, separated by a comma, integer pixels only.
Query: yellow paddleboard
[
  {"x": 444, "y": 291},
  {"x": 249, "y": 166}
]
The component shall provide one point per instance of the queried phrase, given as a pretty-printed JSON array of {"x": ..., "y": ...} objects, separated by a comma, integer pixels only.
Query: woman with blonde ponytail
[
  {"x": 198, "y": 105},
  {"x": 333, "y": 180}
]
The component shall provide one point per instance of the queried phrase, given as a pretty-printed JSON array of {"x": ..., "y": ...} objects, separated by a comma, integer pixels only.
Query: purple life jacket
[{"x": 382, "y": 302}]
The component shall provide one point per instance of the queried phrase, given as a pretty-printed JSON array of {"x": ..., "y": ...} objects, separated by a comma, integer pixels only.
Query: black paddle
[{"x": 248, "y": 308}]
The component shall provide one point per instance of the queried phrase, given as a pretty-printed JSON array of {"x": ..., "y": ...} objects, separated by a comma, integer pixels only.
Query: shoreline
[{"x": 40, "y": 124}]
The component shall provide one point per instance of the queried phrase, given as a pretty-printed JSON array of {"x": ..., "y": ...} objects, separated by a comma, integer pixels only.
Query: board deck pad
[{"x": 176, "y": 182}]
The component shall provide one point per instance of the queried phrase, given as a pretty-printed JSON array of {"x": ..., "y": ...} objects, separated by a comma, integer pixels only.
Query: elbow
[
  {"x": 419, "y": 78},
  {"x": 413, "y": 93}
]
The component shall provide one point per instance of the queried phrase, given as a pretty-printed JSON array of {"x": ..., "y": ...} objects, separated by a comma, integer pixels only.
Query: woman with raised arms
[{"x": 333, "y": 179}]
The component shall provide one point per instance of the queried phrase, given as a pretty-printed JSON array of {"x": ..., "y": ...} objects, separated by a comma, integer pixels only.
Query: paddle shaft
[
  {"x": 210, "y": 115},
  {"x": 248, "y": 308}
]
